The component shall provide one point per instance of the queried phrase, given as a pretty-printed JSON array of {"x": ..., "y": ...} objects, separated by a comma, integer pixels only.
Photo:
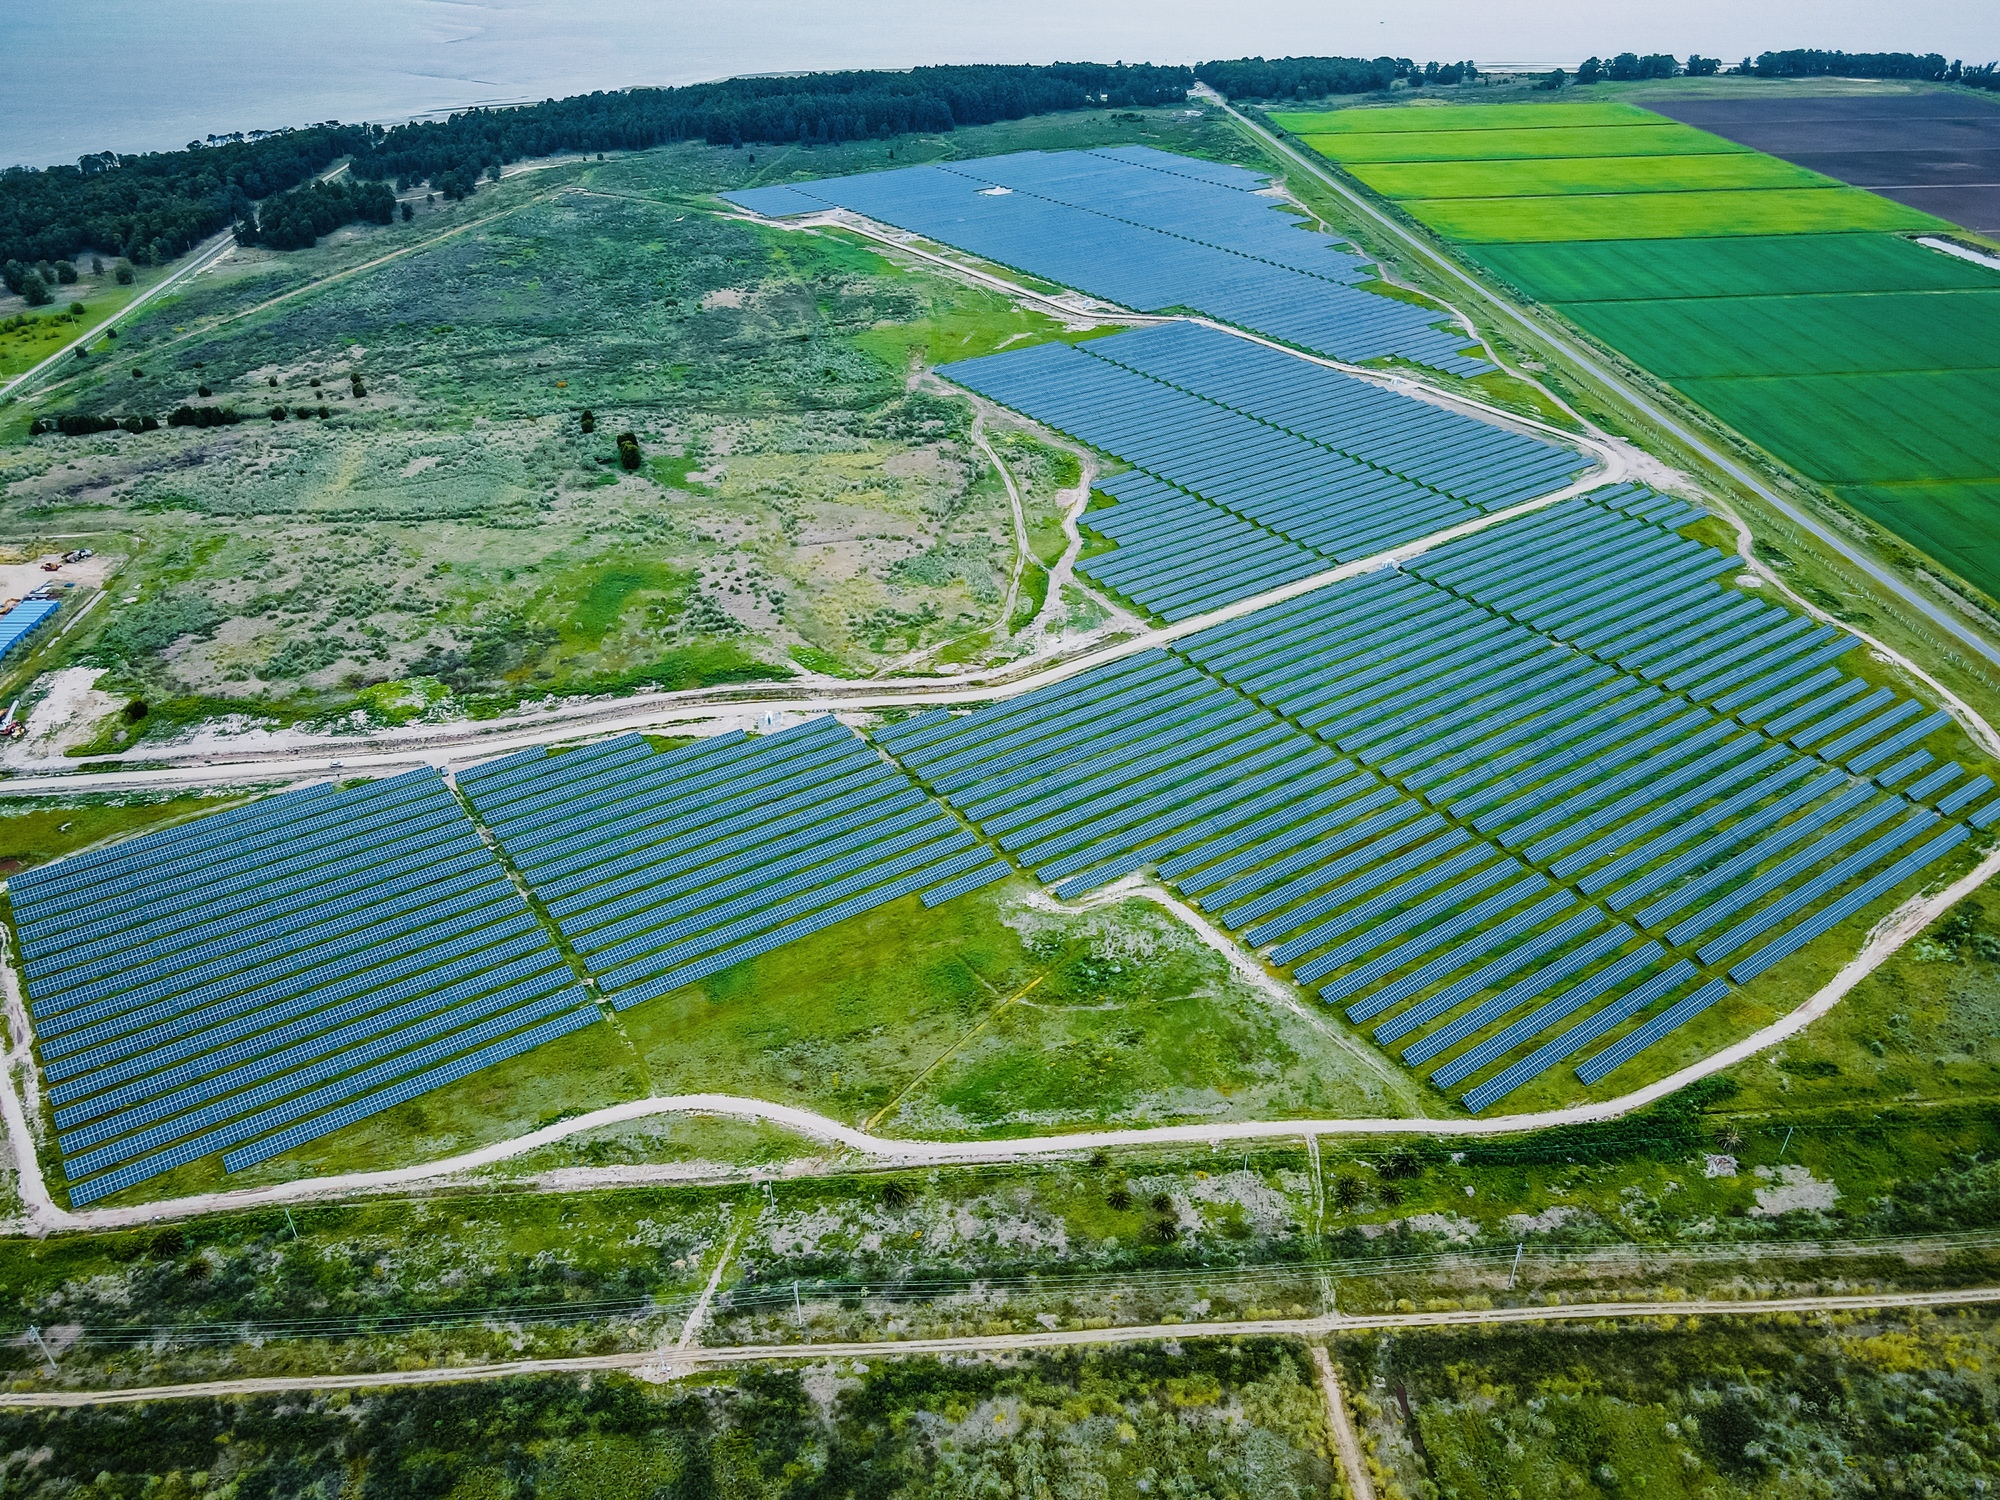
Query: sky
[{"x": 132, "y": 75}]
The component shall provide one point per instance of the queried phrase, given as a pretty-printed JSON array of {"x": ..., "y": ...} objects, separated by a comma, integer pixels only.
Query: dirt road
[{"x": 645, "y": 1360}]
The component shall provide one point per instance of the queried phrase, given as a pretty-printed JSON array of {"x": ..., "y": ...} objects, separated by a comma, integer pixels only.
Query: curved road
[{"x": 667, "y": 1364}]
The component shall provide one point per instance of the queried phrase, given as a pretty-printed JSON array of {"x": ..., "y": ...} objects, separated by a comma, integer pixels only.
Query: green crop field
[
  {"x": 1667, "y": 215},
  {"x": 1432, "y": 117},
  {"x": 1583, "y": 174},
  {"x": 1792, "y": 311},
  {"x": 1958, "y": 524},
  {"x": 1877, "y": 332},
  {"x": 1663, "y": 139},
  {"x": 1743, "y": 266},
  {"x": 1869, "y": 429}
]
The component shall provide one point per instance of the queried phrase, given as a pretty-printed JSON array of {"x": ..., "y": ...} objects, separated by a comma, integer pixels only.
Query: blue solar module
[
  {"x": 1149, "y": 231},
  {"x": 1577, "y": 1037},
  {"x": 1640, "y": 1038},
  {"x": 233, "y": 990}
]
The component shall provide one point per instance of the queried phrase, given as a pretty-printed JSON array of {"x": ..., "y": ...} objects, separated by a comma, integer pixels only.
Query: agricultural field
[{"x": 1804, "y": 317}]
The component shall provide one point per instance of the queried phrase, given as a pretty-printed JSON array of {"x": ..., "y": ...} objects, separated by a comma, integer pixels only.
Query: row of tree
[
  {"x": 1929, "y": 67},
  {"x": 1318, "y": 77},
  {"x": 153, "y": 207}
]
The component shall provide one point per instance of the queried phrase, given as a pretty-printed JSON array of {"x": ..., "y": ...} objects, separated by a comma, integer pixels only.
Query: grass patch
[
  {"x": 847, "y": 1020},
  {"x": 1662, "y": 139},
  {"x": 1034, "y": 594},
  {"x": 1584, "y": 174},
  {"x": 1803, "y": 335},
  {"x": 1749, "y": 266},
  {"x": 1666, "y": 216},
  {"x": 1958, "y": 524}
]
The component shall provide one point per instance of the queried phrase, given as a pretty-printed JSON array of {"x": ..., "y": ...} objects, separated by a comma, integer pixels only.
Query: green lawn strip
[
  {"x": 1666, "y": 216},
  {"x": 1034, "y": 594},
  {"x": 1840, "y": 333},
  {"x": 1583, "y": 174},
  {"x": 1425, "y": 118},
  {"x": 1745, "y": 266},
  {"x": 1662, "y": 139}
]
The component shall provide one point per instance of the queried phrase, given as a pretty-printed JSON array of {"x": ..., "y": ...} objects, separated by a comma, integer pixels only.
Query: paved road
[
  {"x": 1936, "y": 614},
  {"x": 671, "y": 1362},
  {"x": 204, "y": 256}
]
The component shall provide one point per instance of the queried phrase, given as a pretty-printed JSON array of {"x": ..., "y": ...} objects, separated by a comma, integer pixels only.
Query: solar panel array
[
  {"x": 22, "y": 621},
  {"x": 258, "y": 978},
  {"x": 1256, "y": 468},
  {"x": 1500, "y": 845},
  {"x": 1150, "y": 231},
  {"x": 660, "y": 868}
]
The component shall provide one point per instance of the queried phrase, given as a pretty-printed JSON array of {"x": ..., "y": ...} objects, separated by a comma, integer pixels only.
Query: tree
[
  {"x": 628, "y": 450},
  {"x": 125, "y": 273},
  {"x": 36, "y": 290},
  {"x": 1590, "y": 70},
  {"x": 66, "y": 272},
  {"x": 1553, "y": 80},
  {"x": 408, "y": 213},
  {"x": 1703, "y": 67}
]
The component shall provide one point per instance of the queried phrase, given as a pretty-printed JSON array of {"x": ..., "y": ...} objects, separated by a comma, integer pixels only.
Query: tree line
[{"x": 153, "y": 207}]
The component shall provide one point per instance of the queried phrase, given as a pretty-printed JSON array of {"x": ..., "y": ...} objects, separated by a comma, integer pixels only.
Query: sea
[{"x": 137, "y": 75}]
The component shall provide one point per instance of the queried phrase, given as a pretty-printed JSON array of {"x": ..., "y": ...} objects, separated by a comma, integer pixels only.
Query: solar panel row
[
  {"x": 209, "y": 986},
  {"x": 655, "y": 864},
  {"x": 1149, "y": 231}
]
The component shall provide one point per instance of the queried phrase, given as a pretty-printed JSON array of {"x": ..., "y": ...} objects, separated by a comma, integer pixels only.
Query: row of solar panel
[
  {"x": 1144, "y": 232},
  {"x": 651, "y": 865},
  {"x": 270, "y": 963}
]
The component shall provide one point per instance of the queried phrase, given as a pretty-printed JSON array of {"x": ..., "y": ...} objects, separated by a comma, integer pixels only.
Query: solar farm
[
  {"x": 1150, "y": 231},
  {"x": 1518, "y": 778}
]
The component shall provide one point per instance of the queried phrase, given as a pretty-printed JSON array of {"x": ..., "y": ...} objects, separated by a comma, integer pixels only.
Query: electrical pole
[{"x": 36, "y": 1334}]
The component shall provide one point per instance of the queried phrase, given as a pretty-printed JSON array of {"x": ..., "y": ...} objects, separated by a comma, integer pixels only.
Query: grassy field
[
  {"x": 1233, "y": 1419},
  {"x": 1663, "y": 215},
  {"x": 1874, "y": 332},
  {"x": 1583, "y": 174},
  {"x": 34, "y": 830},
  {"x": 449, "y": 540},
  {"x": 1745, "y": 266},
  {"x": 1661, "y": 139},
  {"x": 996, "y": 1014},
  {"x": 30, "y": 335},
  {"x": 1867, "y": 428},
  {"x": 1846, "y": 1406},
  {"x": 1444, "y": 115}
]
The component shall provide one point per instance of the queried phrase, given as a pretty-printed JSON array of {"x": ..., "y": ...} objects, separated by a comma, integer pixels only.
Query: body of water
[{"x": 133, "y": 75}]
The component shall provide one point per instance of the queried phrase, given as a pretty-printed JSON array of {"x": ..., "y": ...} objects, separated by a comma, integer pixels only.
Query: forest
[{"x": 153, "y": 207}]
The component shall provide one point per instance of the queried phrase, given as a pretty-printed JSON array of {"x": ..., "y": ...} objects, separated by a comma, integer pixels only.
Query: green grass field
[
  {"x": 1583, "y": 174},
  {"x": 1744, "y": 266},
  {"x": 1958, "y": 524},
  {"x": 1667, "y": 215},
  {"x": 1877, "y": 332},
  {"x": 1441, "y": 116},
  {"x": 1663, "y": 139}
]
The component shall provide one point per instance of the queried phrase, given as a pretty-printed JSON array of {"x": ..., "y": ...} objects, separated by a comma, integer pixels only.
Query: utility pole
[
  {"x": 798, "y": 1308},
  {"x": 290, "y": 1225},
  {"x": 1518, "y": 1249},
  {"x": 36, "y": 1334}
]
